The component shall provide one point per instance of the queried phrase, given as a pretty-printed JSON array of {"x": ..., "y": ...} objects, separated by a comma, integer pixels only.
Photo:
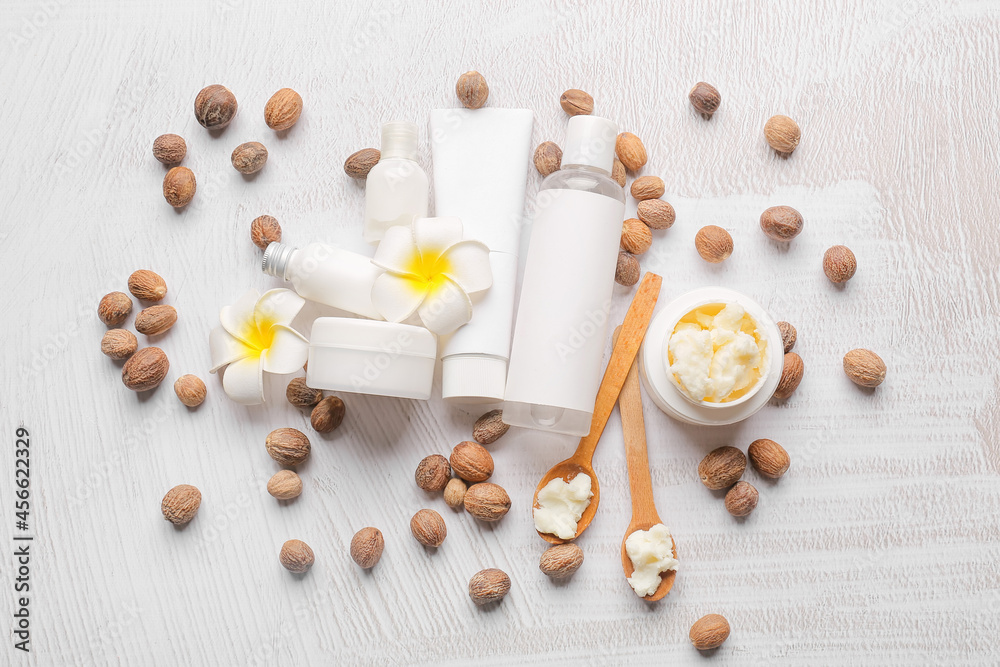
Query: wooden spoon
[
  {"x": 633, "y": 329},
  {"x": 644, "y": 514}
]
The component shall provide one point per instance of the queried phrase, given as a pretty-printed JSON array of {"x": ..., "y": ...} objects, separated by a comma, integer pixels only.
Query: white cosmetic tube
[{"x": 481, "y": 161}]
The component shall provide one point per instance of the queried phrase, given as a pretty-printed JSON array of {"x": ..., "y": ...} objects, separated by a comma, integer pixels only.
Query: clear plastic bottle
[
  {"x": 562, "y": 319},
  {"x": 396, "y": 190},
  {"x": 326, "y": 274}
]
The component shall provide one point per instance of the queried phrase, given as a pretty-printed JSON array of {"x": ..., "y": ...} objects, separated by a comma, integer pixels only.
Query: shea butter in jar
[{"x": 711, "y": 357}]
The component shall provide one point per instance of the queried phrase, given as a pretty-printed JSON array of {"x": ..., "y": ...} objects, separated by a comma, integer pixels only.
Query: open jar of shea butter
[{"x": 712, "y": 356}]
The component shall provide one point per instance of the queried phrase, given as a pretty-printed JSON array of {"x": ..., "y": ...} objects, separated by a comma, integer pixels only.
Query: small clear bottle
[
  {"x": 396, "y": 190},
  {"x": 569, "y": 277},
  {"x": 326, "y": 274}
]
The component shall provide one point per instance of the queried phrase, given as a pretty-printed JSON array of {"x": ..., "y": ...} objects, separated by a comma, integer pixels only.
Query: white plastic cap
[
  {"x": 400, "y": 139},
  {"x": 590, "y": 142},
  {"x": 473, "y": 379}
]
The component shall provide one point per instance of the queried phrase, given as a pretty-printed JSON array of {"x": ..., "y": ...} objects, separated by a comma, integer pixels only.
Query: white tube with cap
[
  {"x": 569, "y": 274},
  {"x": 481, "y": 160}
]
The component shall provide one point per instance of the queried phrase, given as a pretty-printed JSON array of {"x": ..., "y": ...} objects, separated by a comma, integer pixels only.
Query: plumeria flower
[
  {"x": 255, "y": 338},
  {"x": 430, "y": 271}
]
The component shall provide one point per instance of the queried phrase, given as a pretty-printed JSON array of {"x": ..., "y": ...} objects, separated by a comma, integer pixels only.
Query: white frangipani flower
[
  {"x": 255, "y": 338},
  {"x": 430, "y": 271}
]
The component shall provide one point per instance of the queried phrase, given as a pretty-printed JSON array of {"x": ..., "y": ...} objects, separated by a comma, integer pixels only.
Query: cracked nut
[
  {"x": 489, "y": 428},
  {"x": 714, "y": 244},
  {"x": 285, "y": 485},
  {"x": 782, "y": 133},
  {"x": 119, "y": 344},
  {"x": 179, "y": 186},
  {"x": 471, "y": 461},
  {"x": 647, "y": 187},
  {"x": 656, "y": 213},
  {"x": 705, "y": 98},
  {"x": 169, "y": 148},
  {"x": 627, "y": 271},
  {"x": 145, "y": 369},
  {"x": 147, "y": 286},
  {"x": 709, "y": 632},
  {"x": 576, "y": 102},
  {"x": 328, "y": 414},
  {"x": 360, "y": 163},
  {"x": 791, "y": 376},
  {"x": 864, "y": 368},
  {"x": 287, "y": 446},
  {"x": 181, "y": 504},
  {"x": 548, "y": 158},
  {"x": 367, "y": 546},
  {"x": 283, "y": 109},
  {"x": 190, "y": 390},
  {"x": 788, "y": 335},
  {"x": 630, "y": 151},
  {"x": 114, "y": 308},
  {"x": 722, "y": 467},
  {"x": 296, "y": 556},
  {"x": 781, "y": 223},
  {"x": 741, "y": 499},
  {"x": 472, "y": 90},
  {"x": 839, "y": 264},
  {"x": 301, "y": 395},
  {"x": 215, "y": 106},
  {"x": 454, "y": 493},
  {"x": 636, "y": 237},
  {"x": 560, "y": 561},
  {"x": 433, "y": 473},
  {"x": 265, "y": 230},
  {"x": 487, "y": 501},
  {"x": 155, "y": 319},
  {"x": 768, "y": 458},
  {"x": 249, "y": 158},
  {"x": 428, "y": 528},
  {"x": 490, "y": 585}
]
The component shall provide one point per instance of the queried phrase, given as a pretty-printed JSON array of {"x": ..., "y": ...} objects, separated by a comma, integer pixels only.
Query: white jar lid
[
  {"x": 663, "y": 391},
  {"x": 371, "y": 357}
]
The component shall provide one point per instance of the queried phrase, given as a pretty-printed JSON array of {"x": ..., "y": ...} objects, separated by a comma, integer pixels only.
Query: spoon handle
[
  {"x": 636, "y": 455},
  {"x": 633, "y": 330}
]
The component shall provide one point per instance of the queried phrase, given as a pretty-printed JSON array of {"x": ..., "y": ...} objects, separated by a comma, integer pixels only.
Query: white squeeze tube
[
  {"x": 569, "y": 277},
  {"x": 481, "y": 159}
]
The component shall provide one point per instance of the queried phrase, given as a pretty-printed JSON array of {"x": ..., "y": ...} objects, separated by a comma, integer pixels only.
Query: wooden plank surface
[{"x": 879, "y": 547}]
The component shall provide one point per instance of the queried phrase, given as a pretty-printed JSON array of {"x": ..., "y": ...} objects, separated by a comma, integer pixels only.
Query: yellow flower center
[
  {"x": 427, "y": 271},
  {"x": 259, "y": 336}
]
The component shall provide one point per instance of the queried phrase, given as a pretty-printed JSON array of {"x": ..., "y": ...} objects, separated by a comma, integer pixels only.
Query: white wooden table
[{"x": 881, "y": 544}]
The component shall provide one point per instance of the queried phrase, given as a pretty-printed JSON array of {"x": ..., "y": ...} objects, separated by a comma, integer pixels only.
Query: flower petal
[
  {"x": 225, "y": 349},
  {"x": 468, "y": 264},
  {"x": 277, "y": 306},
  {"x": 397, "y": 251},
  {"x": 397, "y": 297},
  {"x": 288, "y": 352},
  {"x": 238, "y": 317},
  {"x": 446, "y": 308},
  {"x": 435, "y": 235},
  {"x": 244, "y": 381}
]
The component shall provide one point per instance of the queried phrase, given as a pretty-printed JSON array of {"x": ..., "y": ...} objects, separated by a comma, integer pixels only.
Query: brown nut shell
[
  {"x": 782, "y": 134},
  {"x": 145, "y": 369},
  {"x": 709, "y": 632},
  {"x": 471, "y": 461},
  {"x": 487, "y": 501},
  {"x": 741, "y": 499},
  {"x": 146, "y": 285},
  {"x": 433, "y": 473},
  {"x": 215, "y": 107},
  {"x": 864, "y": 368},
  {"x": 249, "y": 158},
  {"x": 301, "y": 395},
  {"x": 791, "y": 375},
  {"x": 548, "y": 158},
  {"x": 630, "y": 151},
  {"x": 287, "y": 446},
  {"x": 839, "y": 264},
  {"x": 768, "y": 458},
  {"x": 722, "y": 467},
  {"x": 367, "y": 546},
  {"x": 169, "y": 149},
  {"x": 265, "y": 230},
  {"x": 627, "y": 270},
  {"x": 428, "y": 528},
  {"x": 472, "y": 90},
  {"x": 781, "y": 223},
  {"x": 358, "y": 164},
  {"x": 561, "y": 561},
  {"x": 190, "y": 390},
  {"x": 114, "y": 308},
  {"x": 705, "y": 98},
  {"x": 636, "y": 237},
  {"x": 119, "y": 344},
  {"x": 487, "y": 586},
  {"x": 576, "y": 102},
  {"x": 489, "y": 428},
  {"x": 179, "y": 186},
  {"x": 656, "y": 213},
  {"x": 328, "y": 414},
  {"x": 296, "y": 556},
  {"x": 647, "y": 187},
  {"x": 285, "y": 485},
  {"x": 155, "y": 319},
  {"x": 283, "y": 109},
  {"x": 181, "y": 504},
  {"x": 714, "y": 244},
  {"x": 788, "y": 335}
]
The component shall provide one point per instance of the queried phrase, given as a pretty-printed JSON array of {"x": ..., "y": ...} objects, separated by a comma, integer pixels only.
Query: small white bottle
[
  {"x": 326, "y": 274},
  {"x": 396, "y": 189},
  {"x": 569, "y": 277}
]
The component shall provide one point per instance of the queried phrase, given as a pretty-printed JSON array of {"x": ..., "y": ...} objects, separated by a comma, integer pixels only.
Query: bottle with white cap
[
  {"x": 569, "y": 277},
  {"x": 396, "y": 189}
]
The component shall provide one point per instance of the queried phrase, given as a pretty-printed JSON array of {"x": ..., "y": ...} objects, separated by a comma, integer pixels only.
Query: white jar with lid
[
  {"x": 664, "y": 389},
  {"x": 370, "y": 357}
]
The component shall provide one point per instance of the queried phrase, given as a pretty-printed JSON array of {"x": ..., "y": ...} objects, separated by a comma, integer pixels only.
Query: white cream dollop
[
  {"x": 561, "y": 504},
  {"x": 652, "y": 553},
  {"x": 713, "y": 357}
]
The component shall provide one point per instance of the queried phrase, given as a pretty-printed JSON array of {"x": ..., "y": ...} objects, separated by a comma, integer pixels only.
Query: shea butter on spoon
[{"x": 561, "y": 504}]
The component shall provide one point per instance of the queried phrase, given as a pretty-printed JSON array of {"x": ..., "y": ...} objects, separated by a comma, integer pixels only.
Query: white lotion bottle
[
  {"x": 396, "y": 190},
  {"x": 326, "y": 274},
  {"x": 562, "y": 319}
]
